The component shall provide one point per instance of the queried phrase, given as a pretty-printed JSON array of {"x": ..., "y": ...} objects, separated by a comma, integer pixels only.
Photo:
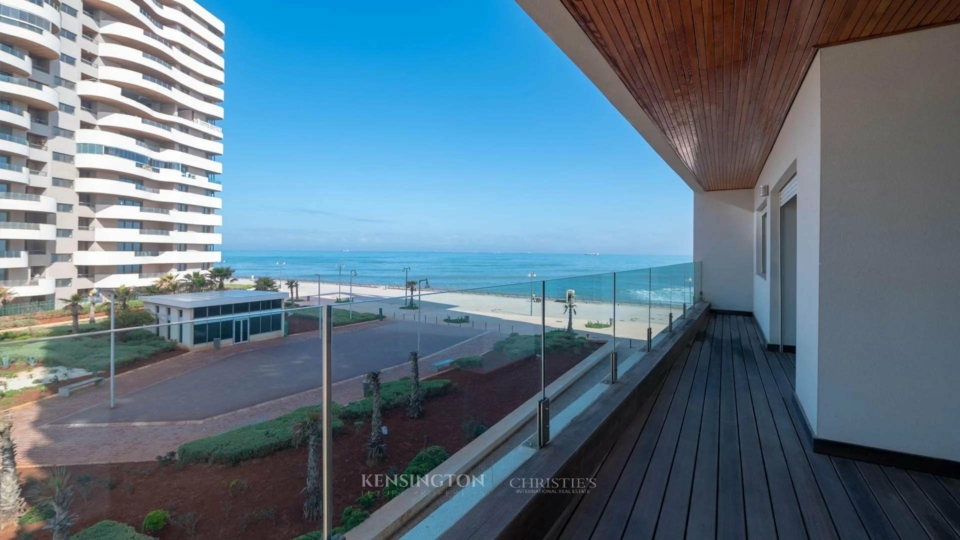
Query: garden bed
[{"x": 262, "y": 499}]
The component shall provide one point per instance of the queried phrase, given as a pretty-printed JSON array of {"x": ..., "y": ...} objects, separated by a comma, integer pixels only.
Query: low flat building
[{"x": 201, "y": 320}]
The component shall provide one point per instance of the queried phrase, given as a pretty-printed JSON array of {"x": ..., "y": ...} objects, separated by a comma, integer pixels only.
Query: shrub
[
  {"x": 350, "y": 518},
  {"x": 156, "y": 521},
  {"x": 187, "y": 522},
  {"x": 368, "y": 499},
  {"x": 473, "y": 428},
  {"x": 468, "y": 362},
  {"x": 394, "y": 395},
  {"x": 129, "y": 319},
  {"x": 110, "y": 530},
  {"x": 516, "y": 346},
  {"x": 341, "y": 317},
  {"x": 92, "y": 352},
  {"x": 250, "y": 442},
  {"x": 167, "y": 459},
  {"x": 457, "y": 320},
  {"x": 598, "y": 324},
  {"x": 36, "y": 514},
  {"x": 423, "y": 463}
]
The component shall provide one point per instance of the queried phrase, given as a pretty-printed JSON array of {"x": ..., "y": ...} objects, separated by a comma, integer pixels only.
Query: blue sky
[{"x": 429, "y": 125}]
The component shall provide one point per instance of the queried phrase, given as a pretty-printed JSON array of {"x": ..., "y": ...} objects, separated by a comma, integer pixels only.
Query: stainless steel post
[
  {"x": 326, "y": 343},
  {"x": 113, "y": 350},
  {"x": 543, "y": 407},
  {"x": 613, "y": 355}
]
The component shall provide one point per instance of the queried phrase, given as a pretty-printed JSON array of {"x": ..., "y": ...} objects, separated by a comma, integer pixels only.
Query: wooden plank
[
  {"x": 584, "y": 518},
  {"x": 952, "y": 485},
  {"x": 948, "y": 507},
  {"x": 900, "y": 516},
  {"x": 615, "y": 516},
  {"x": 756, "y": 495},
  {"x": 730, "y": 510},
  {"x": 842, "y": 510},
  {"x": 928, "y": 516},
  {"x": 813, "y": 507},
  {"x": 702, "y": 520},
  {"x": 646, "y": 509},
  {"x": 786, "y": 507},
  {"x": 874, "y": 519},
  {"x": 673, "y": 516}
]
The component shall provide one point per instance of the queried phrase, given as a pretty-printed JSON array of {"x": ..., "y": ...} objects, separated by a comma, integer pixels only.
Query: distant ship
[{"x": 592, "y": 254}]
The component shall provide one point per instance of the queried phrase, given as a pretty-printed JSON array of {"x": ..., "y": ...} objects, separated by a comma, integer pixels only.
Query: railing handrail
[
  {"x": 11, "y": 108},
  {"x": 20, "y": 225},
  {"x": 19, "y": 196},
  {"x": 11, "y": 254},
  {"x": 11, "y": 167},
  {"x": 22, "y": 82}
]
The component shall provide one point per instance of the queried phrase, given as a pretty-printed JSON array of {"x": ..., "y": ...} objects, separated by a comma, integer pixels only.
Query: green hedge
[
  {"x": 110, "y": 530},
  {"x": 468, "y": 362},
  {"x": 423, "y": 463},
  {"x": 260, "y": 440},
  {"x": 341, "y": 317},
  {"x": 91, "y": 352},
  {"x": 250, "y": 442},
  {"x": 517, "y": 346}
]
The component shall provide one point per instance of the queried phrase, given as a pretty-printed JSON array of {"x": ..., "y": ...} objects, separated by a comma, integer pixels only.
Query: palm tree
[
  {"x": 412, "y": 286},
  {"x": 58, "y": 495},
  {"x": 415, "y": 403},
  {"x": 221, "y": 275},
  {"x": 376, "y": 446},
  {"x": 293, "y": 285},
  {"x": 312, "y": 430},
  {"x": 166, "y": 282},
  {"x": 73, "y": 304},
  {"x": 93, "y": 305},
  {"x": 196, "y": 282},
  {"x": 6, "y": 296},
  {"x": 570, "y": 308},
  {"x": 265, "y": 284},
  {"x": 11, "y": 500},
  {"x": 124, "y": 294}
]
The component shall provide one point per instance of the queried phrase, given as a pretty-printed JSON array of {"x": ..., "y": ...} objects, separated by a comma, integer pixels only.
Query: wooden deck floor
[{"x": 721, "y": 452}]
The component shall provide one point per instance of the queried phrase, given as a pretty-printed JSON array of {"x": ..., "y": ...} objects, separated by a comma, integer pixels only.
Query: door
[
  {"x": 788, "y": 272},
  {"x": 241, "y": 330}
]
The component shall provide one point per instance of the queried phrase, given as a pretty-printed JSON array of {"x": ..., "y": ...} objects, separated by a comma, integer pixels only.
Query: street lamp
[
  {"x": 406, "y": 279},
  {"x": 281, "y": 264},
  {"x": 420, "y": 284},
  {"x": 531, "y": 275},
  {"x": 318, "y": 288},
  {"x": 352, "y": 273},
  {"x": 113, "y": 348},
  {"x": 339, "y": 268}
]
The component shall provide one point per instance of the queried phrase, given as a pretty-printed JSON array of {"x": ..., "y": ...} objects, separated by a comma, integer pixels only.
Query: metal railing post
[
  {"x": 326, "y": 343},
  {"x": 613, "y": 355},
  {"x": 670, "y": 323},
  {"x": 649, "y": 338},
  {"x": 543, "y": 407},
  {"x": 113, "y": 350}
]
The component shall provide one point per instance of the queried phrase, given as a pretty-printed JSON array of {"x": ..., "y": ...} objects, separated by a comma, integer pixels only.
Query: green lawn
[
  {"x": 90, "y": 352},
  {"x": 341, "y": 317}
]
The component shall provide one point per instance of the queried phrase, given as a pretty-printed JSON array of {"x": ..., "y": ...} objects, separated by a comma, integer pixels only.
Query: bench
[
  {"x": 67, "y": 389},
  {"x": 443, "y": 365}
]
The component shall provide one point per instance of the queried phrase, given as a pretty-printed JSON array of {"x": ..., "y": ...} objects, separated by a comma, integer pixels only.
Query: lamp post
[
  {"x": 113, "y": 349},
  {"x": 318, "y": 288},
  {"x": 339, "y": 268},
  {"x": 420, "y": 284},
  {"x": 281, "y": 264},
  {"x": 352, "y": 273},
  {"x": 532, "y": 275},
  {"x": 406, "y": 279}
]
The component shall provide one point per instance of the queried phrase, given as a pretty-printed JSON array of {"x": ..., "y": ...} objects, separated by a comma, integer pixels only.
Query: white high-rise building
[{"x": 109, "y": 147}]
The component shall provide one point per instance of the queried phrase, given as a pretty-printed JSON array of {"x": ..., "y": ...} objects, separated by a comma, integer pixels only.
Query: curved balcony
[
  {"x": 201, "y": 12},
  {"x": 30, "y": 38},
  {"x": 160, "y": 215},
  {"x": 14, "y": 144},
  {"x": 137, "y": 81},
  {"x": 108, "y": 93},
  {"x": 14, "y": 259},
  {"x": 23, "y": 288},
  {"x": 27, "y": 202},
  {"x": 136, "y": 126},
  {"x": 144, "y": 62},
  {"x": 114, "y": 258},
  {"x": 117, "y": 140},
  {"x": 136, "y": 171},
  {"x": 14, "y": 173},
  {"x": 13, "y": 230},
  {"x": 32, "y": 93},
  {"x": 14, "y": 116},
  {"x": 152, "y": 42},
  {"x": 15, "y": 61},
  {"x": 178, "y": 17},
  {"x": 123, "y": 189},
  {"x": 155, "y": 236}
]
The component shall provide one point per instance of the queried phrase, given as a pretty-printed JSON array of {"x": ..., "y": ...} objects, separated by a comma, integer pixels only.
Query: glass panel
[
  {"x": 226, "y": 309},
  {"x": 213, "y": 311},
  {"x": 199, "y": 333},
  {"x": 254, "y": 326},
  {"x": 241, "y": 308},
  {"x": 226, "y": 330},
  {"x": 199, "y": 313}
]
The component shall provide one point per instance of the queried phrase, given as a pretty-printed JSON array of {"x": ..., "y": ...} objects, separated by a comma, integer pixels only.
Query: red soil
[{"x": 269, "y": 503}]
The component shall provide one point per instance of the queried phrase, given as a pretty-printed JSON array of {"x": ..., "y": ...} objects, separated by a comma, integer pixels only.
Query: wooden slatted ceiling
[{"x": 718, "y": 76}]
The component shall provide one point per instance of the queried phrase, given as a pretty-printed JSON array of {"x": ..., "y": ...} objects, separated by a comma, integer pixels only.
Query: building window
[
  {"x": 128, "y": 224},
  {"x": 64, "y": 233},
  {"x": 128, "y": 202},
  {"x": 128, "y": 269},
  {"x": 61, "y": 257},
  {"x": 181, "y": 227},
  {"x": 129, "y": 246},
  {"x": 66, "y": 58},
  {"x": 181, "y": 267},
  {"x": 182, "y": 208},
  {"x": 69, "y": 109},
  {"x": 65, "y": 158},
  {"x": 70, "y": 85},
  {"x": 67, "y": 282},
  {"x": 63, "y": 182},
  {"x": 181, "y": 247},
  {"x": 68, "y": 10},
  {"x": 205, "y": 266},
  {"x": 60, "y": 132},
  {"x": 182, "y": 188},
  {"x": 64, "y": 33},
  {"x": 65, "y": 208}
]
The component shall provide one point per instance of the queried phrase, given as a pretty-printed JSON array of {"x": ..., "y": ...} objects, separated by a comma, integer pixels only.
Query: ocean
[{"x": 506, "y": 273}]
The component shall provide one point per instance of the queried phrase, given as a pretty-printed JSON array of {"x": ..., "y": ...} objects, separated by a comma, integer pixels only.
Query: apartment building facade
[{"x": 109, "y": 148}]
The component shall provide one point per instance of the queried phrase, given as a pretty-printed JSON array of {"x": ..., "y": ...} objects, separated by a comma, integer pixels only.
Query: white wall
[
  {"x": 723, "y": 241},
  {"x": 890, "y": 249},
  {"x": 796, "y": 151}
]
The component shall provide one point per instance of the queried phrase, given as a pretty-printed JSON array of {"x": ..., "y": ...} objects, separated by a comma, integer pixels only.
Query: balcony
[
  {"x": 14, "y": 116},
  {"x": 115, "y": 187},
  {"x": 32, "y": 93},
  {"x": 32, "y": 287},
  {"x": 11, "y": 230},
  {"x": 15, "y": 145},
  {"x": 157, "y": 236},
  {"x": 15, "y": 61},
  {"x": 162, "y": 215},
  {"x": 30, "y": 37},
  {"x": 14, "y": 259},
  {"x": 27, "y": 202},
  {"x": 14, "y": 173},
  {"x": 113, "y": 258}
]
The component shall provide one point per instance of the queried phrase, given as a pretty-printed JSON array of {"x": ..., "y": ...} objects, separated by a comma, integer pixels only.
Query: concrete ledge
[
  {"x": 394, "y": 515},
  {"x": 578, "y": 450}
]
